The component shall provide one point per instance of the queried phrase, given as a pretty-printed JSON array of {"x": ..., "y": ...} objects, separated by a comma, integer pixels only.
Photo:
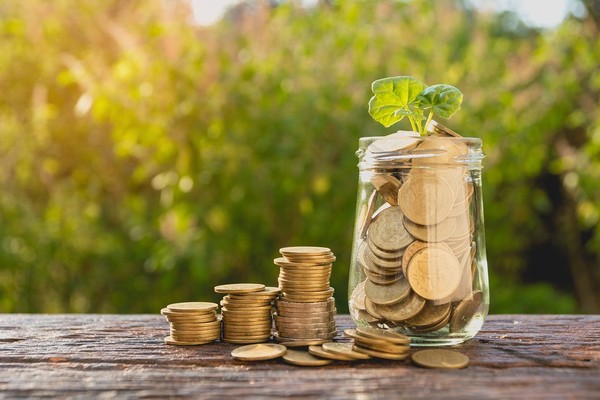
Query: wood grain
[{"x": 514, "y": 356}]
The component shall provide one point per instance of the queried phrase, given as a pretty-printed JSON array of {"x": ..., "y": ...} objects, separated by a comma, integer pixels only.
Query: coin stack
[
  {"x": 305, "y": 312},
  {"x": 379, "y": 344},
  {"x": 246, "y": 311},
  {"x": 192, "y": 323},
  {"x": 416, "y": 246}
]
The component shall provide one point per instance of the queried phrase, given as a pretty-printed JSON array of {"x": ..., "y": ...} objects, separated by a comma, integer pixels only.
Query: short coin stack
[
  {"x": 246, "y": 311},
  {"x": 192, "y": 323},
  {"x": 416, "y": 246},
  {"x": 306, "y": 309},
  {"x": 378, "y": 343}
]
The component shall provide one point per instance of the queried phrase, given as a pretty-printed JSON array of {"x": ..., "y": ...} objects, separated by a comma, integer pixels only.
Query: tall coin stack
[
  {"x": 246, "y": 311},
  {"x": 192, "y": 323},
  {"x": 305, "y": 312},
  {"x": 416, "y": 245}
]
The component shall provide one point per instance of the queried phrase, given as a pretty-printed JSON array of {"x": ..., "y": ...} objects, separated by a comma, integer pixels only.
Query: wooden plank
[{"x": 514, "y": 356}]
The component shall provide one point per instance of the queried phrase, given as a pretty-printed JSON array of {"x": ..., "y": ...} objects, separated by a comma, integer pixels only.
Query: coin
[
  {"x": 317, "y": 350},
  {"x": 294, "y": 342},
  {"x": 344, "y": 349},
  {"x": 380, "y": 354},
  {"x": 433, "y": 273},
  {"x": 304, "y": 250},
  {"x": 401, "y": 140},
  {"x": 371, "y": 308},
  {"x": 387, "y": 335},
  {"x": 387, "y": 186},
  {"x": 388, "y": 294},
  {"x": 303, "y": 358},
  {"x": 465, "y": 310},
  {"x": 381, "y": 279},
  {"x": 358, "y": 296},
  {"x": 368, "y": 215},
  {"x": 193, "y": 307},
  {"x": 385, "y": 231},
  {"x": 407, "y": 308},
  {"x": 170, "y": 340},
  {"x": 430, "y": 315},
  {"x": 431, "y": 233},
  {"x": 259, "y": 352},
  {"x": 240, "y": 288},
  {"x": 440, "y": 358},
  {"x": 287, "y": 263},
  {"x": 234, "y": 340},
  {"x": 425, "y": 199}
]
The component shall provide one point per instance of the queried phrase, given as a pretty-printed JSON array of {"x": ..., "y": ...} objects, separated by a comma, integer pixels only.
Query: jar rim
[{"x": 400, "y": 158}]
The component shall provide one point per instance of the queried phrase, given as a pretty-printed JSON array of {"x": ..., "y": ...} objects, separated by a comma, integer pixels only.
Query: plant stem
[{"x": 429, "y": 118}]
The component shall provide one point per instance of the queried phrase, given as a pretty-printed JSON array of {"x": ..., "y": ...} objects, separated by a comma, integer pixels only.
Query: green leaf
[
  {"x": 443, "y": 99},
  {"x": 391, "y": 95}
]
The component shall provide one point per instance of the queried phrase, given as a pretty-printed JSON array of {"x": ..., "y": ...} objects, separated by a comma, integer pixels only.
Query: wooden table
[{"x": 514, "y": 356}]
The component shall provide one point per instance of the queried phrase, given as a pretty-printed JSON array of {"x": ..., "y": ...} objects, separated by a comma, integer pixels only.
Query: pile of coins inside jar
[{"x": 415, "y": 245}]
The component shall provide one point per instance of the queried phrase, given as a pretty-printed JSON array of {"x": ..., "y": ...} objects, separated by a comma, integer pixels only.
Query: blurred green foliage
[{"x": 145, "y": 159}]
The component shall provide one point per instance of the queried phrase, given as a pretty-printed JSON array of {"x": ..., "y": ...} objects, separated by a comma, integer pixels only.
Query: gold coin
[
  {"x": 383, "y": 254},
  {"x": 234, "y": 340},
  {"x": 317, "y": 350},
  {"x": 431, "y": 328},
  {"x": 303, "y": 336},
  {"x": 195, "y": 338},
  {"x": 304, "y": 250},
  {"x": 345, "y": 350},
  {"x": 364, "y": 316},
  {"x": 308, "y": 321},
  {"x": 430, "y": 315},
  {"x": 294, "y": 342},
  {"x": 433, "y": 273},
  {"x": 365, "y": 218},
  {"x": 387, "y": 186},
  {"x": 380, "y": 354},
  {"x": 358, "y": 296},
  {"x": 388, "y": 294},
  {"x": 386, "y": 335},
  {"x": 436, "y": 127},
  {"x": 170, "y": 340},
  {"x": 425, "y": 199},
  {"x": 392, "y": 143},
  {"x": 382, "y": 267},
  {"x": 193, "y": 307},
  {"x": 465, "y": 310},
  {"x": 383, "y": 347},
  {"x": 431, "y": 233},
  {"x": 387, "y": 231},
  {"x": 371, "y": 308},
  {"x": 203, "y": 327},
  {"x": 259, "y": 352},
  {"x": 439, "y": 358},
  {"x": 240, "y": 288},
  {"x": 382, "y": 279},
  {"x": 303, "y": 358},
  {"x": 270, "y": 292},
  {"x": 245, "y": 307},
  {"x": 407, "y": 308},
  {"x": 313, "y": 266}
]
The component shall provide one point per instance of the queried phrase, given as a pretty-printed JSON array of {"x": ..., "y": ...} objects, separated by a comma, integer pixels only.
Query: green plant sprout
[{"x": 404, "y": 96}]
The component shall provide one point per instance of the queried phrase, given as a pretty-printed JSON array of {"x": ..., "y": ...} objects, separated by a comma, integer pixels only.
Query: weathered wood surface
[{"x": 98, "y": 356}]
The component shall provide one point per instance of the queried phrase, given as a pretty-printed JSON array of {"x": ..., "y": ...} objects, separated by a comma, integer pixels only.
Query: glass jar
[{"x": 418, "y": 260}]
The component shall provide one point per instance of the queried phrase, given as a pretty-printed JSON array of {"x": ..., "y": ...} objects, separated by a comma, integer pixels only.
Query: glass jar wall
[{"x": 418, "y": 261}]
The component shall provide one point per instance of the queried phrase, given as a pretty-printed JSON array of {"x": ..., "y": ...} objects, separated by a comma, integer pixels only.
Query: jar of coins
[{"x": 418, "y": 261}]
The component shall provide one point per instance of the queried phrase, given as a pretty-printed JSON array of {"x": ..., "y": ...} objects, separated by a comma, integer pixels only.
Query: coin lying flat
[
  {"x": 259, "y": 352},
  {"x": 440, "y": 358},
  {"x": 387, "y": 335},
  {"x": 305, "y": 359},
  {"x": 317, "y": 350},
  {"x": 193, "y": 307},
  {"x": 240, "y": 288},
  {"x": 380, "y": 354},
  {"x": 170, "y": 340},
  {"x": 345, "y": 350}
]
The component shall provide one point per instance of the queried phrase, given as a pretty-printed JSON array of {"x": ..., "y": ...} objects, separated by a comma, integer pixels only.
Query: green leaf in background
[
  {"x": 444, "y": 100},
  {"x": 393, "y": 94}
]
